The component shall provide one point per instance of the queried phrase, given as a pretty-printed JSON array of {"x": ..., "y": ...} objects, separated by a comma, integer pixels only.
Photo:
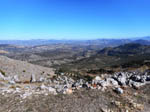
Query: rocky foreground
[{"x": 116, "y": 92}]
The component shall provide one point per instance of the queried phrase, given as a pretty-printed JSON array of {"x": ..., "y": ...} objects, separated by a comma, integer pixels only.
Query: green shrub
[{"x": 2, "y": 72}]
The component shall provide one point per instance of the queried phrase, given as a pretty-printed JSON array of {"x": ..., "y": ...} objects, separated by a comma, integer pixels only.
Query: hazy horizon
[
  {"x": 73, "y": 19},
  {"x": 130, "y": 38}
]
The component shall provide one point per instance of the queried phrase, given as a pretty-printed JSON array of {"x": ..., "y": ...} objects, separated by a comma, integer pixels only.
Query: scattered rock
[
  {"x": 136, "y": 85},
  {"x": 66, "y": 85},
  {"x": 68, "y": 91},
  {"x": 96, "y": 80},
  {"x": 42, "y": 79},
  {"x": 119, "y": 90},
  {"x": 16, "y": 79},
  {"x": 52, "y": 90},
  {"x": 12, "y": 82},
  {"x": 117, "y": 103},
  {"x": 43, "y": 87},
  {"x": 138, "y": 106}
]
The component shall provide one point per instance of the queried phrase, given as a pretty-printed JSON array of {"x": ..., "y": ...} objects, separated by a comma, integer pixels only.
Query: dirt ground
[{"x": 80, "y": 101}]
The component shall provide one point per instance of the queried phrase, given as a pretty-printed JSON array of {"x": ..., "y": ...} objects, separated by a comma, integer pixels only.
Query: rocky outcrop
[{"x": 66, "y": 85}]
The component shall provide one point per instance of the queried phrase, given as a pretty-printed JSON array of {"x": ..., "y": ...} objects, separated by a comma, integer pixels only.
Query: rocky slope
[
  {"x": 23, "y": 70},
  {"x": 121, "y": 91}
]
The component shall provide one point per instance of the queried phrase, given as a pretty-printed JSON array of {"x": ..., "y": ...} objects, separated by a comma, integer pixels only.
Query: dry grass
[{"x": 80, "y": 101}]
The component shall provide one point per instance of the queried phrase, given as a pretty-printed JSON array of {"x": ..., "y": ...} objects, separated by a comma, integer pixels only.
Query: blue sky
[{"x": 74, "y": 19}]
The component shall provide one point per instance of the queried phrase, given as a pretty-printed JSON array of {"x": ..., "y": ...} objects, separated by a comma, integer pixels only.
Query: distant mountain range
[
  {"x": 102, "y": 42},
  {"x": 143, "y": 38},
  {"x": 127, "y": 49},
  {"x": 142, "y": 42}
]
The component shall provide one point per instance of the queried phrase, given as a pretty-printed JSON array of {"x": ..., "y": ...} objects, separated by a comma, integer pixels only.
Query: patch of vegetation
[
  {"x": 3, "y": 73},
  {"x": 42, "y": 73},
  {"x": 29, "y": 109},
  {"x": 48, "y": 74},
  {"x": 101, "y": 71},
  {"x": 88, "y": 78}
]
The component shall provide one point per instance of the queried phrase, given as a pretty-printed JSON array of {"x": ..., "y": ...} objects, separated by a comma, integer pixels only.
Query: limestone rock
[
  {"x": 112, "y": 82},
  {"x": 68, "y": 91},
  {"x": 52, "y": 90},
  {"x": 122, "y": 78},
  {"x": 12, "y": 82},
  {"x": 43, "y": 87},
  {"x": 42, "y": 79},
  {"x": 136, "y": 85},
  {"x": 33, "y": 79},
  {"x": 96, "y": 80},
  {"x": 16, "y": 79},
  {"x": 119, "y": 90}
]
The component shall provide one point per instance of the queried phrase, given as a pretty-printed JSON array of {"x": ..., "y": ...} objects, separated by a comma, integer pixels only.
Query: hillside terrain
[
  {"x": 56, "y": 54},
  {"x": 82, "y": 58},
  {"x": 124, "y": 57},
  {"x": 23, "y": 70},
  {"x": 75, "y": 77},
  {"x": 120, "y": 91}
]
